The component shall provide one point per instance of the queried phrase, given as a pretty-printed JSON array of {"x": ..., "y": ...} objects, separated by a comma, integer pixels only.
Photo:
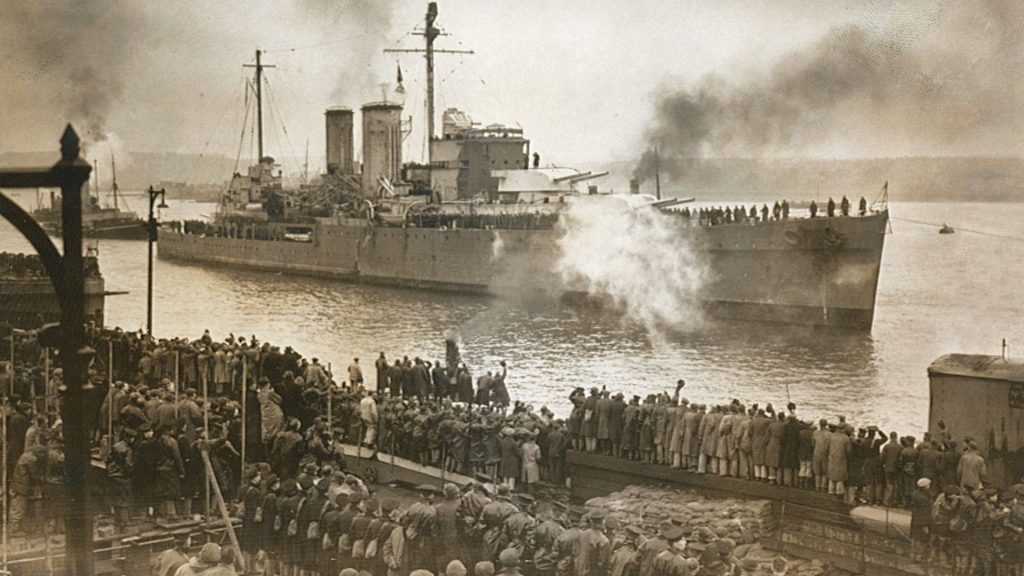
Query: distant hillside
[
  {"x": 974, "y": 179},
  {"x": 142, "y": 169},
  {"x": 910, "y": 179}
]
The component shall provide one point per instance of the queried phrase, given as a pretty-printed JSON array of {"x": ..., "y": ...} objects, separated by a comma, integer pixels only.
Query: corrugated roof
[{"x": 978, "y": 366}]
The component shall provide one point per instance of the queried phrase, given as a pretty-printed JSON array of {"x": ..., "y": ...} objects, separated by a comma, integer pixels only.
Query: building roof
[{"x": 978, "y": 366}]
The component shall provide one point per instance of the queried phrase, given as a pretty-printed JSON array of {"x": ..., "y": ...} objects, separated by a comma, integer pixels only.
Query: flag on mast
[{"x": 400, "y": 89}]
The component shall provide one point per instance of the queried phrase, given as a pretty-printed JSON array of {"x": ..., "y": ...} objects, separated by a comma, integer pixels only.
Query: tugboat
[{"x": 99, "y": 222}]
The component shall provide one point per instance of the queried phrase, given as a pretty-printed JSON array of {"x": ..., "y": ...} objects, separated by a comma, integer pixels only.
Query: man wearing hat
[{"x": 594, "y": 551}]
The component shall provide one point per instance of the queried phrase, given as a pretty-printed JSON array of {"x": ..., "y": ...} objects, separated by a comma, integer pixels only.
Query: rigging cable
[
  {"x": 959, "y": 229},
  {"x": 230, "y": 106},
  {"x": 280, "y": 120},
  {"x": 245, "y": 122}
]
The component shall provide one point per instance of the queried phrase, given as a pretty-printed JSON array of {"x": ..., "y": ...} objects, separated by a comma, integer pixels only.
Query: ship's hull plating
[{"x": 815, "y": 272}]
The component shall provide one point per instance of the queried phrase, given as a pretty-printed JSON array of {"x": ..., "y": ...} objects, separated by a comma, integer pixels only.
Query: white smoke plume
[{"x": 640, "y": 258}]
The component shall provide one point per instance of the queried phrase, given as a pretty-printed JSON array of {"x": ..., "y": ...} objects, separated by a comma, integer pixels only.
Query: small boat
[{"x": 946, "y": 229}]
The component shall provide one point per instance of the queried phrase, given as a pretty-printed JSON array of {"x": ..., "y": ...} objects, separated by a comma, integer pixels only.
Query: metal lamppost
[
  {"x": 67, "y": 275},
  {"x": 152, "y": 225}
]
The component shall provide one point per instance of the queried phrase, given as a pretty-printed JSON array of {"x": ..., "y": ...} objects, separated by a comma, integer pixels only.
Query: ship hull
[{"x": 811, "y": 272}]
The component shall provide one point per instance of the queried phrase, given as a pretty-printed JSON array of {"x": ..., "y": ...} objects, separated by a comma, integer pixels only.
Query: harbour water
[{"x": 936, "y": 294}]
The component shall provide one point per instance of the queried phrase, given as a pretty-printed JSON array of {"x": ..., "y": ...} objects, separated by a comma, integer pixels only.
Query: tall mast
[
  {"x": 429, "y": 33},
  {"x": 259, "y": 66},
  {"x": 113, "y": 186}
]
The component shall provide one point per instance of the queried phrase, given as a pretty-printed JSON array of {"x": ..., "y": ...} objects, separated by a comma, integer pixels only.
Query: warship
[{"x": 482, "y": 216}]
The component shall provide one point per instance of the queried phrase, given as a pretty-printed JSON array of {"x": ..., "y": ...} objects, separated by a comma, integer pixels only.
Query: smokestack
[
  {"x": 634, "y": 186},
  {"x": 382, "y": 144},
  {"x": 340, "y": 145}
]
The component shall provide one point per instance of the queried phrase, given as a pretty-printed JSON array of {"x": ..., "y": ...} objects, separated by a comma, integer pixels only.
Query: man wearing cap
[
  {"x": 891, "y": 466},
  {"x": 838, "y": 466},
  {"x": 972, "y": 472},
  {"x": 285, "y": 454},
  {"x": 448, "y": 528},
  {"x": 593, "y": 551},
  {"x": 332, "y": 527},
  {"x": 420, "y": 526},
  {"x": 820, "y": 441},
  {"x": 207, "y": 560},
  {"x": 921, "y": 513},
  {"x": 394, "y": 552},
  {"x": 670, "y": 561},
  {"x": 492, "y": 521},
  {"x": 624, "y": 560},
  {"x": 27, "y": 488},
  {"x": 509, "y": 562},
  {"x": 545, "y": 534},
  {"x": 359, "y": 531}
]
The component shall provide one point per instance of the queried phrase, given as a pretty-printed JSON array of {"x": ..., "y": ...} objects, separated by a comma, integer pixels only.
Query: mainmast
[
  {"x": 259, "y": 66},
  {"x": 430, "y": 33}
]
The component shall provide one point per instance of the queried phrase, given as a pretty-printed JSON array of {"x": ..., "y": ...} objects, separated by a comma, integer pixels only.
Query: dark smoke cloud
[
  {"x": 362, "y": 26},
  {"x": 75, "y": 54},
  {"x": 166, "y": 76},
  {"x": 901, "y": 79}
]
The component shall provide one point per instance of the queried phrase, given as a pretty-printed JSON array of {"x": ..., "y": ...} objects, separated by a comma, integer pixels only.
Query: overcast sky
[{"x": 588, "y": 80}]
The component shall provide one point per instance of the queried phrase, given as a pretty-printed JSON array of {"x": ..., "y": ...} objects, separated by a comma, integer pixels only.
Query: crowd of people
[
  {"x": 176, "y": 403},
  {"x": 779, "y": 211}
]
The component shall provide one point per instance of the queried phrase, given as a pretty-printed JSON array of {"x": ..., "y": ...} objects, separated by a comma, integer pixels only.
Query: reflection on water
[{"x": 936, "y": 295}]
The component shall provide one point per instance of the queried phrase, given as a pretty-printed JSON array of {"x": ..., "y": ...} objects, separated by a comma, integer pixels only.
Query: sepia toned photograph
[{"x": 541, "y": 288}]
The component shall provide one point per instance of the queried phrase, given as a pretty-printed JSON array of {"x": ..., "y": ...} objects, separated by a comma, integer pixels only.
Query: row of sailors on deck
[{"x": 780, "y": 211}]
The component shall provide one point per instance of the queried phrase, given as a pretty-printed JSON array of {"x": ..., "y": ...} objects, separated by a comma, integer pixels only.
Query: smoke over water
[
  {"x": 640, "y": 259},
  {"x": 168, "y": 77},
  {"x": 73, "y": 54},
  {"x": 922, "y": 77}
]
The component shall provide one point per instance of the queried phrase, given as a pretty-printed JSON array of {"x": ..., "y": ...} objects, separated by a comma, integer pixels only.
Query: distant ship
[
  {"x": 98, "y": 222},
  {"x": 478, "y": 218},
  {"x": 947, "y": 229}
]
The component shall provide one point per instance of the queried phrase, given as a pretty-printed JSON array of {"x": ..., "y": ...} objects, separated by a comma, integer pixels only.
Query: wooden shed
[{"x": 981, "y": 397}]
